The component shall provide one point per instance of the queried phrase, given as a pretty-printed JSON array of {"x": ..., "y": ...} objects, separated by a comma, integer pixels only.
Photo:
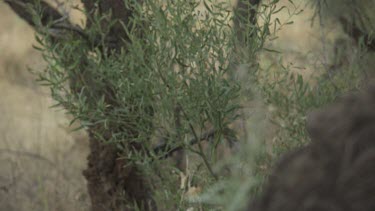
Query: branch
[
  {"x": 165, "y": 147},
  {"x": 22, "y": 8},
  {"x": 34, "y": 156},
  {"x": 356, "y": 33},
  {"x": 59, "y": 24},
  {"x": 28, "y": 154},
  {"x": 245, "y": 10}
]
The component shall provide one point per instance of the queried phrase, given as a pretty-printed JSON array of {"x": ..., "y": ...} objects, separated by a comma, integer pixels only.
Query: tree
[
  {"x": 148, "y": 80},
  {"x": 139, "y": 71}
]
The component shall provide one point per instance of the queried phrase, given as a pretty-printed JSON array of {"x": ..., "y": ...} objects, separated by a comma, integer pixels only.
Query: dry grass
[
  {"x": 306, "y": 46},
  {"x": 40, "y": 160}
]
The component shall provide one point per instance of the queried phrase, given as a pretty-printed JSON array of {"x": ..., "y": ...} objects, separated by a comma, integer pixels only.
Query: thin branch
[
  {"x": 356, "y": 33},
  {"x": 60, "y": 25},
  {"x": 22, "y": 8},
  {"x": 245, "y": 10},
  {"x": 206, "y": 136},
  {"x": 165, "y": 147},
  {"x": 28, "y": 154},
  {"x": 35, "y": 156}
]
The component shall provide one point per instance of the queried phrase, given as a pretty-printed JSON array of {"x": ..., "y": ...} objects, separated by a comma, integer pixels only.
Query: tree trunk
[{"x": 114, "y": 184}]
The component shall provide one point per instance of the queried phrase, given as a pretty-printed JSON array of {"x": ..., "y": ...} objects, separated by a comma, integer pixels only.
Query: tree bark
[
  {"x": 113, "y": 183},
  {"x": 245, "y": 9}
]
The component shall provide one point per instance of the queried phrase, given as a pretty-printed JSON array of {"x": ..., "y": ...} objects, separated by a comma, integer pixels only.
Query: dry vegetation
[{"x": 41, "y": 161}]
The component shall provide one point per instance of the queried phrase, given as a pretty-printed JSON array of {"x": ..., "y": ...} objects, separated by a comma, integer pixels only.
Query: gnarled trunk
[{"x": 114, "y": 184}]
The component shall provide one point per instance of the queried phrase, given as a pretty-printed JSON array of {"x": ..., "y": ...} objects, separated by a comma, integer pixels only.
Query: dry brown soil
[{"x": 40, "y": 159}]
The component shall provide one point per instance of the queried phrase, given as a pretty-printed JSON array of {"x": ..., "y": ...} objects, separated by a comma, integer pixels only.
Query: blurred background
[{"x": 41, "y": 160}]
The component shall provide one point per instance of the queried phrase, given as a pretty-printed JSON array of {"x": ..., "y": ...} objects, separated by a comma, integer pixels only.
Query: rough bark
[
  {"x": 111, "y": 185},
  {"x": 245, "y": 12}
]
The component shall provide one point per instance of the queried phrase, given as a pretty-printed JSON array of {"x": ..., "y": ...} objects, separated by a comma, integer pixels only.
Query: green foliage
[
  {"x": 177, "y": 75},
  {"x": 169, "y": 83},
  {"x": 174, "y": 63},
  {"x": 291, "y": 97}
]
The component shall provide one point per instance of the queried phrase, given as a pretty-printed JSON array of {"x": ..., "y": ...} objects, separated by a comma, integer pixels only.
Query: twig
[
  {"x": 356, "y": 33},
  {"x": 19, "y": 153},
  {"x": 28, "y": 154},
  {"x": 49, "y": 15},
  {"x": 170, "y": 150},
  {"x": 245, "y": 10}
]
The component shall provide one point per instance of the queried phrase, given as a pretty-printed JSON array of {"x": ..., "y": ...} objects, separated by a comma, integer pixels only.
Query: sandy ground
[{"x": 40, "y": 159}]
